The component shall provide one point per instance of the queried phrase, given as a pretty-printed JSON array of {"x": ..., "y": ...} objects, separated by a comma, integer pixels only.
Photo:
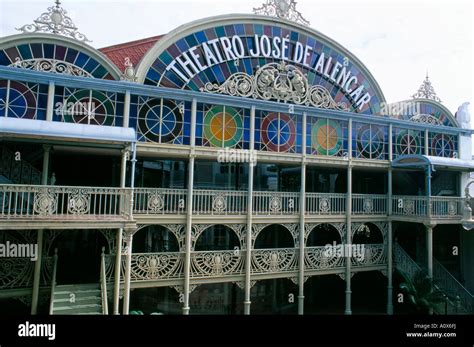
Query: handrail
[
  {"x": 103, "y": 284},
  {"x": 53, "y": 281}
]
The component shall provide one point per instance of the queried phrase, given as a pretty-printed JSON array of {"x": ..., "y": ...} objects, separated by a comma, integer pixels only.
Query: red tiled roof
[{"x": 134, "y": 50}]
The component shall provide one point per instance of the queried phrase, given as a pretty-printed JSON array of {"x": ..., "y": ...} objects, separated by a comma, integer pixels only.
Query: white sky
[{"x": 397, "y": 41}]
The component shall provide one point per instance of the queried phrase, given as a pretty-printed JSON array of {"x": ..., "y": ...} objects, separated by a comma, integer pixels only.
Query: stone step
[
  {"x": 92, "y": 300},
  {"x": 84, "y": 309}
]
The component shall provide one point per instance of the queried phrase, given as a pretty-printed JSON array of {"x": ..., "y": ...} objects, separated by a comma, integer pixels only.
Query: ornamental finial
[
  {"x": 426, "y": 91},
  {"x": 54, "y": 21},
  {"x": 285, "y": 9}
]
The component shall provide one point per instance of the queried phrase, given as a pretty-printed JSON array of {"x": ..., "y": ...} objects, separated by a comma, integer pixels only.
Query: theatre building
[{"x": 240, "y": 164}]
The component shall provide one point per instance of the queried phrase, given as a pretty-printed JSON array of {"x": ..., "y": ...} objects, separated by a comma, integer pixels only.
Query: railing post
[
  {"x": 248, "y": 251},
  {"x": 302, "y": 220},
  {"x": 103, "y": 277},
  {"x": 189, "y": 214}
]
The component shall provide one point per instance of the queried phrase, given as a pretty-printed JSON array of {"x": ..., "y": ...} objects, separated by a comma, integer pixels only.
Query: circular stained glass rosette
[
  {"x": 442, "y": 146},
  {"x": 84, "y": 107},
  {"x": 370, "y": 142},
  {"x": 408, "y": 142},
  {"x": 21, "y": 100},
  {"x": 223, "y": 126},
  {"x": 326, "y": 137},
  {"x": 278, "y": 133},
  {"x": 153, "y": 121}
]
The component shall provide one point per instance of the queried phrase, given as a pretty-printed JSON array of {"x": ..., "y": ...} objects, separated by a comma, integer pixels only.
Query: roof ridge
[{"x": 131, "y": 43}]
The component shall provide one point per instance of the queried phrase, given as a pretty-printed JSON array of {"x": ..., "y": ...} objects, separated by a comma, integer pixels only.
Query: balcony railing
[
  {"x": 63, "y": 203},
  {"x": 82, "y": 203}
]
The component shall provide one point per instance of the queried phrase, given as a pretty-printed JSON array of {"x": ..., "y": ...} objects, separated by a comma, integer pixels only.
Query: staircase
[
  {"x": 77, "y": 299},
  {"x": 17, "y": 171},
  {"x": 443, "y": 279}
]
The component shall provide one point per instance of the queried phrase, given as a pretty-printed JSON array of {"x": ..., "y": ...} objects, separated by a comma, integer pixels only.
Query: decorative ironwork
[
  {"x": 219, "y": 203},
  {"x": 324, "y": 205},
  {"x": 452, "y": 208},
  {"x": 316, "y": 258},
  {"x": 275, "y": 204},
  {"x": 277, "y": 81},
  {"x": 408, "y": 207},
  {"x": 368, "y": 205},
  {"x": 426, "y": 119},
  {"x": 51, "y": 65},
  {"x": 55, "y": 21},
  {"x": 216, "y": 263},
  {"x": 426, "y": 91},
  {"x": 155, "y": 202},
  {"x": 46, "y": 203},
  {"x": 273, "y": 260},
  {"x": 79, "y": 202},
  {"x": 155, "y": 266},
  {"x": 373, "y": 255},
  {"x": 284, "y": 9}
]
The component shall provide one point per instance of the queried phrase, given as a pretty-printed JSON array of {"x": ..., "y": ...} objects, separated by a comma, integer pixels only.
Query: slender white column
[
  {"x": 390, "y": 143},
  {"x": 50, "y": 103},
  {"x": 126, "y": 110},
  {"x": 248, "y": 251},
  {"x": 427, "y": 150},
  {"x": 302, "y": 220},
  {"x": 128, "y": 264},
  {"x": 118, "y": 251},
  {"x": 348, "y": 291},
  {"x": 429, "y": 249},
  {"x": 390, "y": 247},
  {"x": 39, "y": 240},
  {"x": 189, "y": 214}
]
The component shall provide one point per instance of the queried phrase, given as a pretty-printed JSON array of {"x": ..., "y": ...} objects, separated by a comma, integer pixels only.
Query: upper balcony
[{"x": 57, "y": 207}]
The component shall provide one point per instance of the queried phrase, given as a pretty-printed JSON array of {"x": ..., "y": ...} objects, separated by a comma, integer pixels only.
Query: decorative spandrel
[
  {"x": 277, "y": 81},
  {"x": 285, "y": 9},
  {"x": 426, "y": 91},
  {"x": 54, "y": 21}
]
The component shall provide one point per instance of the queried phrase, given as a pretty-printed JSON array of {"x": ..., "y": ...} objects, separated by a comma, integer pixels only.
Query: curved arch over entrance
[
  {"x": 154, "y": 239},
  {"x": 274, "y": 236},
  {"x": 217, "y": 238},
  {"x": 323, "y": 234},
  {"x": 367, "y": 234}
]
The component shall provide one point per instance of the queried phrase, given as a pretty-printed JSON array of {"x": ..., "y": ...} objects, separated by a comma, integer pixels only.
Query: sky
[{"x": 399, "y": 42}]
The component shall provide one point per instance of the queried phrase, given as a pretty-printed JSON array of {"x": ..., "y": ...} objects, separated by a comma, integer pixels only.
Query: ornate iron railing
[
  {"x": 155, "y": 266},
  {"x": 447, "y": 207},
  {"x": 159, "y": 201},
  {"x": 317, "y": 258},
  {"x": 275, "y": 203},
  {"x": 216, "y": 263},
  {"x": 219, "y": 202},
  {"x": 18, "y": 272},
  {"x": 369, "y": 204},
  {"x": 103, "y": 283},
  {"x": 18, "y": 171},
  {"x": 274, "y": 260},
  {"x": 325, "y": 204},
  {"x": 411, "y": 206},
  {"x": 404, "y": 262},
  {"x": 370, "y": 254},
  {"x": 452, "y": 286},
  {"x": 56, "y": 202}
]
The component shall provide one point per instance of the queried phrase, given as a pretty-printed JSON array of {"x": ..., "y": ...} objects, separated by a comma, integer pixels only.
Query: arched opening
[
  {"x": 367, "y": 234},
  {"x": 274, "y": 296},
  {"x": 274, "y": 236},
  {"x": 79, "y": 256},
  {"x": 324, "y": 295},
  {"x": 217, "y": 238},
  {"x": 217, "y": 298},
  {"x": 369, "y": 293},
  {"x": 161, "y": 300},
  {"x": 322, "y": 235},
  {"x": 154, "y": 239}
]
